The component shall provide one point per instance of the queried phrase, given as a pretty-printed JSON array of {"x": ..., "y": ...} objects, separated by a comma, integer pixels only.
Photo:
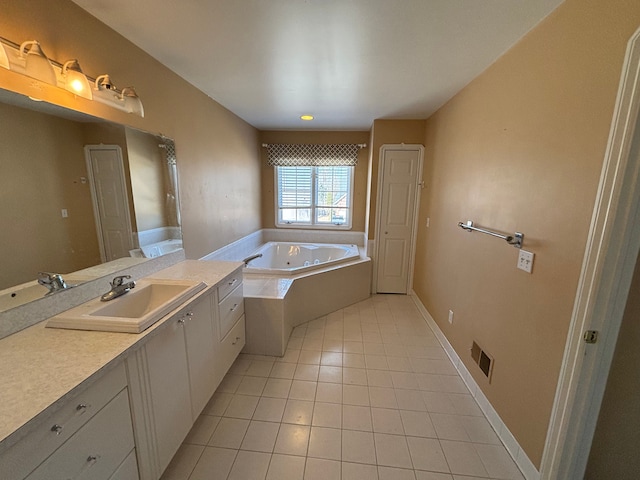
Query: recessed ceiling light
[{"x": 306, "y": 117}]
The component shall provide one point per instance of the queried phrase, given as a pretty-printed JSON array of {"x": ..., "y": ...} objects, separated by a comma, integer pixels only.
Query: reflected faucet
[
  {"x": 53, "y": 281},
  {"x": 118, "y": 288}
]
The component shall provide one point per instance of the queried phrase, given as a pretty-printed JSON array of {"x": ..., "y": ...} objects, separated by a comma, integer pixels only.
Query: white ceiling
[{"x": 347, "y": 62}]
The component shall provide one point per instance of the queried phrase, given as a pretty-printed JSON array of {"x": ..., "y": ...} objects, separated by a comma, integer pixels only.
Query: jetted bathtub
[{"x": 287, "y": 258}]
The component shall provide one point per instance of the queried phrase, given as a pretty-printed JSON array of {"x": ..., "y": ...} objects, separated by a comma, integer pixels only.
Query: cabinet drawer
[
  {"x": 232, "y": 344},
  {"x": 96, "y": 450},
  {"x": 230, "y": 310},
  {"x": 128, "y": 470},
  {"x": 226, "y": 286},
  {"x": 52, "y": 432}
]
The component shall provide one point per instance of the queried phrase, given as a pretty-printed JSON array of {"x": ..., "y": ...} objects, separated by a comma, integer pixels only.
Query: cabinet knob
[
  {"x": 181, "y": 320},
  {"x": 57, "y": 429},
  {"x": 190, "y": 314}
]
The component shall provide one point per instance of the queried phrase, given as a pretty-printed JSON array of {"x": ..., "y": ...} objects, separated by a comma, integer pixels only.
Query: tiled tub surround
[
  {"x": 40, "y": 368},
  {"x": 366, "y": 392},
  {"x": 274, "y": 305}
]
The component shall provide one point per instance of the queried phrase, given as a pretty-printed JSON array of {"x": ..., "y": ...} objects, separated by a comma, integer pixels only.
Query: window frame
[{"x": 347, "y": 225}]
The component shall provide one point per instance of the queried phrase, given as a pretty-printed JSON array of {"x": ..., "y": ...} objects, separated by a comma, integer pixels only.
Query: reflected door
[
  {"x": 110, "y": 200},
  {"x": 400, "y": 170}
]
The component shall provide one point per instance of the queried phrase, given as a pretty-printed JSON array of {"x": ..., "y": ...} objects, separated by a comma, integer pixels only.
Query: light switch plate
[{"x": 525, "y": 260}]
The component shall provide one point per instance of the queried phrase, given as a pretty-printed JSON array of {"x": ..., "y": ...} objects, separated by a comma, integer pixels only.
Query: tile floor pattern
[{"x": 365, "y": 393}]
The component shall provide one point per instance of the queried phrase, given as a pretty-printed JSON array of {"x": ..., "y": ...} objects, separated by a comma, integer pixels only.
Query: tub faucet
[
  {"x": 53, "y": 281},
  {"x": 118, "y": 288},
  {"x": 252, "y": 257}
]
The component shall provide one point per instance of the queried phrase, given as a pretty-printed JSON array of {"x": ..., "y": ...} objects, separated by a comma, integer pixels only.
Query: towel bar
[{"x": 515, "y": 239}]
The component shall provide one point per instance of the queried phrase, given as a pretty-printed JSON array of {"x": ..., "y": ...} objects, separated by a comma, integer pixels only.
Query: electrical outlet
[
  {"x": 428, "y": 222},
  {"x": 450, "y": 316},
  {"x": 65, "y": 213},
  {"x": 525, "y": 261}
]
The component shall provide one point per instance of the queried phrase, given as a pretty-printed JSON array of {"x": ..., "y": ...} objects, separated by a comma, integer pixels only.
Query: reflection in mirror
[{"x": 77, "y": 191}]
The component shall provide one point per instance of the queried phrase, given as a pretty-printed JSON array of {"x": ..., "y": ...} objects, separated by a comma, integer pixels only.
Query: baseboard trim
[{"x": 511, "y": 444}]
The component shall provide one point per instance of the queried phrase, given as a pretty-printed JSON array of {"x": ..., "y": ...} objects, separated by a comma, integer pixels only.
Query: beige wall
[
  {"x": 39, "y": 176},
  {"x": 521, "y": 148},
  {"x": 218, "y": 157},
  {"x": 386, "y": 132},
  {"x": 360, "y": 180}
]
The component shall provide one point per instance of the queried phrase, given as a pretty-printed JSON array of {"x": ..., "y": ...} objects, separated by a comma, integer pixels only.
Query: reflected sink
[
  {"x": 30, "y": 291},
  {"x": 134, "y": 311}
]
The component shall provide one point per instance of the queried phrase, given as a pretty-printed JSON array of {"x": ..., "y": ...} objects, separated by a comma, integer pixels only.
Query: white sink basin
[{"x": 132, "y": 312}]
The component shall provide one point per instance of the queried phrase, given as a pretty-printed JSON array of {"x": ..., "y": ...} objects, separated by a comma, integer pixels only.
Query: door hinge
[{"x": 591, "y": 336}]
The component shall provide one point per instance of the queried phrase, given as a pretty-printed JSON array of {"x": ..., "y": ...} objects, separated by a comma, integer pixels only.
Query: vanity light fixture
[
  {"x": 75, "y": 81},
  {"x": 126, "y": 100},
  {"x": 103, "y": 82},
  {"x": 306, "y": 118},
  {"x": 132, "y": 102},
  {"x": 29, "y": 59},
  {"x": 36, "y": 63},
  {"x": 4, "y": 60}
]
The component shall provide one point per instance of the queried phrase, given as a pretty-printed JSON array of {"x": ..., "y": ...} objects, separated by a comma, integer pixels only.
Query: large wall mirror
[{"x": 80, "y": 196}]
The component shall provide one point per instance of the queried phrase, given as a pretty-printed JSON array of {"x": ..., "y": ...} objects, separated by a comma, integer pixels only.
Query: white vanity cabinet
[
  {"x": 137, "y": 403},
  {"x": 172, "y": 378},
  {"x": 89, "y": 436}
]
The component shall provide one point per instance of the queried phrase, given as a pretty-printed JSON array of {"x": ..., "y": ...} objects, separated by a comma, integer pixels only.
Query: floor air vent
[{"x": 484, "y": 361}]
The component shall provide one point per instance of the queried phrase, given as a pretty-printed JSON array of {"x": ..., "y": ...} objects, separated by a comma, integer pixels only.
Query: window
[{"x": 316, "y": 196}]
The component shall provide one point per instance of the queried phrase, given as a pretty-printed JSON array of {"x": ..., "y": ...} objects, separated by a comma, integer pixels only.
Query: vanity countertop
[{"x": 41, "y": 367}]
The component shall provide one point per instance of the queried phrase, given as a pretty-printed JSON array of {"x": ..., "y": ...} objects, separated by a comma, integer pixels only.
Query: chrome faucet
[
  {"x": 53, "y": 281},
  {"x": 252, "y": 257},
  {"x": 118, "y": 288}
]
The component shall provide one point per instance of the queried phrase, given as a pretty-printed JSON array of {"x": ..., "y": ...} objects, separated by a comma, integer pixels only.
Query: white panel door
[
  {"x": 400, "y": 170},
  {"x": 111, "y": 201}
]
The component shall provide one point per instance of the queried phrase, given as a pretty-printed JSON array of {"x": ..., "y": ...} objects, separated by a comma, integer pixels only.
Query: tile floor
[{"x": 364, "y": 393}]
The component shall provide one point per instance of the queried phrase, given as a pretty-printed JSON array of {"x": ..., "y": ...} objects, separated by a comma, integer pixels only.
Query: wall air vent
[{"x": 484, "y": 361}]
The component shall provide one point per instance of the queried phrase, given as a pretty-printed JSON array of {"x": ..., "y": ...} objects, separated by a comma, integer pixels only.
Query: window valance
[{"x": 299, "y": 155}]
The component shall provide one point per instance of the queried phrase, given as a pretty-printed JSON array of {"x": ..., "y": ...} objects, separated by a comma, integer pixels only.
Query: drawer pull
[
  {"x": 236, "y": 341},
  {"x": 57, "y": 429},
  {"x": 190, "y": 314},
  {"x": 91, "y": 461},
  {"x": 234, "y": 308},
  {"x": 81, "y": 407},
  {"x": 181, "y": 320},
  {"x": 232, "y": 282}
]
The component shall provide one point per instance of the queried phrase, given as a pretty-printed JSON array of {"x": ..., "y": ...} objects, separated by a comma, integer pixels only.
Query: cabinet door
[
  {"x": 199, "y": 338},
  {"x": 169, "y": 388}
]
